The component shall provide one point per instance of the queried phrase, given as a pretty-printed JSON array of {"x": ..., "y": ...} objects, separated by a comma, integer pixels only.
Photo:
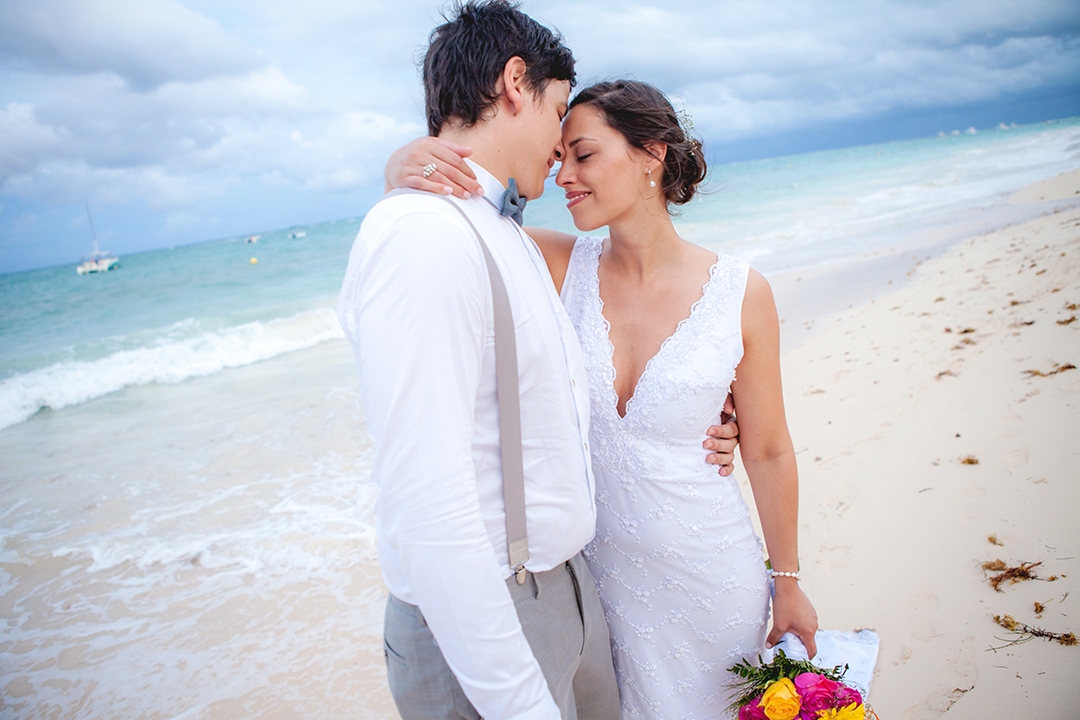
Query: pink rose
[
  {"x": 848, "y": 696},
  {"x": 752, "y": 710},
  {"x": 817, "y": 692}
]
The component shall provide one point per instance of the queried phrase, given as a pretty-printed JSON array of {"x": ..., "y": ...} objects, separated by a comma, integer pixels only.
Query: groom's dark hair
[{"x": 466, "y": 55}]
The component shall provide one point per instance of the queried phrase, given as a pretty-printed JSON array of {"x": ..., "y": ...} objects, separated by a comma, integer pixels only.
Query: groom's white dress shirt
[{"x": 416, "y": 307}]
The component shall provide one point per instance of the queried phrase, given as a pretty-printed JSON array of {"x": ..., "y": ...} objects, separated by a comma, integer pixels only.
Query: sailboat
[{"x": 99, "y": 260}]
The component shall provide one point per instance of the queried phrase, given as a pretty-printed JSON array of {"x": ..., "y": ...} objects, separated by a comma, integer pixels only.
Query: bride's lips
[{"x": 576, "y": 196}]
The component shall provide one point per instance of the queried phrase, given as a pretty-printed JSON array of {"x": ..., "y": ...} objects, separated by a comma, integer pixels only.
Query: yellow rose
[
  {"x": 848, "y": 712},
  {"x": 781, "y": 700}
]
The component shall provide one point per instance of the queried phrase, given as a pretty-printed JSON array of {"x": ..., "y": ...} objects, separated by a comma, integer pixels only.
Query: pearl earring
[{"x": 652, "y": 183}]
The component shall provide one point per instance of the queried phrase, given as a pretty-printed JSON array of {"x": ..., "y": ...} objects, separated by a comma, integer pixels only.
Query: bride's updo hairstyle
[{"x": 643, "y": 115}]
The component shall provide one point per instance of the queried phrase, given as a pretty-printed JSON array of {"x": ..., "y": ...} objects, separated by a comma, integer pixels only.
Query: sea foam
[{"x": 168, "y": 361}]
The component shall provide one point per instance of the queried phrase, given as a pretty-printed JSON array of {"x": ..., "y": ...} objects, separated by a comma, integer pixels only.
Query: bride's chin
[
  {"x": 586, "y": 224},
  {"x": 587, "y": 227}
]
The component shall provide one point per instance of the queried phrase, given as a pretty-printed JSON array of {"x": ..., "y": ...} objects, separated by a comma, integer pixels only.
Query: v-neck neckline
[{"x": 667, "y": 341}]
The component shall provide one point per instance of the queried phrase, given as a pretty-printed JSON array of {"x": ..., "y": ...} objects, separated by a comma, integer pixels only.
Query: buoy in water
[{"x": 254, "y": 261}]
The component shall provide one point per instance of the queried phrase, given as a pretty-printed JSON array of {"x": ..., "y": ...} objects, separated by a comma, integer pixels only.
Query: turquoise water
[
  {"x": 166, "y": 315},
  {"x": 169, "y": 315},
  {"x": 54, "y": 314}
]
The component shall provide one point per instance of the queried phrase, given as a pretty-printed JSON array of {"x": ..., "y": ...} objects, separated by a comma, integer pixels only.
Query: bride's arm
[
  {"x": 451, "y": 175},
  {"x": 769, "y": 457}
]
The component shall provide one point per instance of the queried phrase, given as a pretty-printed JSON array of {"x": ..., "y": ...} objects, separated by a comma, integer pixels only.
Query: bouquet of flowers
[{"x": 786, "y": 689}]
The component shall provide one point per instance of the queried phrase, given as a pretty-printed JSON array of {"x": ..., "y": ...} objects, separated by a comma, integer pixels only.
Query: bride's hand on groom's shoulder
[
  {"x": 793, "y": 613},
  {"x": 723, "y": 439},
  {"x": 443, "y": 162}
]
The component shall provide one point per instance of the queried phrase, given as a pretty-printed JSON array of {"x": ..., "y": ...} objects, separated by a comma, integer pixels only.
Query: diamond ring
[{"x": 429, "y": 170}]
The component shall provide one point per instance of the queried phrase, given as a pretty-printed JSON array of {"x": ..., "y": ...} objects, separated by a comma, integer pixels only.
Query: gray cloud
[
  {"x": 176, "y": 138},
  {"x": 746, "y": 69},
  {"x": 147, "y": 43},
  {"x": 173, "y": 103}
]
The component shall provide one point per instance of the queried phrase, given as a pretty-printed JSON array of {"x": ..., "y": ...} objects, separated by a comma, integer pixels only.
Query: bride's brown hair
[{"x": 643, "y": 115}]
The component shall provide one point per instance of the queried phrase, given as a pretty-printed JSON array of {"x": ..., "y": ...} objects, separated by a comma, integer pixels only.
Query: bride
[{"x": 664, "y": 325}]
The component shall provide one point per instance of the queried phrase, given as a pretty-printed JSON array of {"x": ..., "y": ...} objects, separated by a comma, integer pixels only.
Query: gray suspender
[{"x": 506, "y": 378}]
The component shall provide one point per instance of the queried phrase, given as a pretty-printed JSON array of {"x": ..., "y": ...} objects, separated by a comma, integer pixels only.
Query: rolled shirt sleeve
[{"x": 416, "y": 306}]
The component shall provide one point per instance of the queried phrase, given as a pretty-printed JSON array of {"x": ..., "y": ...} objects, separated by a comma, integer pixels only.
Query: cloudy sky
[{"x": 187, "y": 120}]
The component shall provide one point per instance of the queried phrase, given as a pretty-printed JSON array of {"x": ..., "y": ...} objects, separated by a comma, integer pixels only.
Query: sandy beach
[
  {"x": 886, "y": 400},
  {"x": 241, "y": 582}
]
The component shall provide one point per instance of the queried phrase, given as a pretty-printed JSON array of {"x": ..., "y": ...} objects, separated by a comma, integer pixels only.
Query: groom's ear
[{"x": 513, "y": 86}]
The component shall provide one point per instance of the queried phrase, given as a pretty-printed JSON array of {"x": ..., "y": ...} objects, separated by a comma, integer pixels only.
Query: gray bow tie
[{"x": 513, "y": 204}]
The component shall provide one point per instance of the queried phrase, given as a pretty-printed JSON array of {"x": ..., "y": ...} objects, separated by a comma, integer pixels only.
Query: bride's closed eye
[{"x": 581, "y": 158}]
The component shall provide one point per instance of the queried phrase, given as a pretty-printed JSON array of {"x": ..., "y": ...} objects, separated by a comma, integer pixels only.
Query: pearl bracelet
[{"x": 775, "y": 574}]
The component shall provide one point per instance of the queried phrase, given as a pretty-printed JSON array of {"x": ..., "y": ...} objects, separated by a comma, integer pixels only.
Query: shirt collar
[{"x": 493, "y": 189}]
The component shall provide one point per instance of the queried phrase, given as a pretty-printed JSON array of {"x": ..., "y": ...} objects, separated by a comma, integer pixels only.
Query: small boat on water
[
  {"x": 297, "y": 234},
  {"x": 99, "y": 260},
  {"x": 252, "y": 238},
  {"x": 97, "y": 263}
]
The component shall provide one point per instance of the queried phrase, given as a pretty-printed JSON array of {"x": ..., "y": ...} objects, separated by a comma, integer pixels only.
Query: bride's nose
[{"x": 564, "y": 176}]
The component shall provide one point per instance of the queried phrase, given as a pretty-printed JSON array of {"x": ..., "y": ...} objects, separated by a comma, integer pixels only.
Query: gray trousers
[{"x": 561, "y": 616}]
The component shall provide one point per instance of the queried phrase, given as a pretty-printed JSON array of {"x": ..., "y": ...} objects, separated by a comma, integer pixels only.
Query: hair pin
[{"x": 686, "y": 123}]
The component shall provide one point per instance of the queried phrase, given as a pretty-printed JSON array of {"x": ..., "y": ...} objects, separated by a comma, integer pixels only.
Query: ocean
[{"x": 186, "y": 522}]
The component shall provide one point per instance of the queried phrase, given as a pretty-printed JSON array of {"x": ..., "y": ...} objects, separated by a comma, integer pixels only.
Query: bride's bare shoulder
[
  {"x": 759, "y": 306},
  {"x": 556, "y": 247},
  {"x": 552, "y": 240}
]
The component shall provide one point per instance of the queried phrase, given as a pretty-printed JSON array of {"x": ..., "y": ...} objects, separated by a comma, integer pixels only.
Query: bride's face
[{"x": 604, "y": 177}]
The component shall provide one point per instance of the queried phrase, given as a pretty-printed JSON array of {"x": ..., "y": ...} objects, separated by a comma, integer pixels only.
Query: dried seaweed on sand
[
  {"x": 1055, "y": 371},
  {"x": 1014, "y": 574},
  {"x": 1026, "y": 632}
]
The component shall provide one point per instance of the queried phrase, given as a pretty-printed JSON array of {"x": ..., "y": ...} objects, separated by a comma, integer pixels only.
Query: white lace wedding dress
[{"x": 677, "y": 564}]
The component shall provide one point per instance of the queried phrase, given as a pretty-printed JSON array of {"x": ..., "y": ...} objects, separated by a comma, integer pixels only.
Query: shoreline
[{"x": 806, "y": 294}]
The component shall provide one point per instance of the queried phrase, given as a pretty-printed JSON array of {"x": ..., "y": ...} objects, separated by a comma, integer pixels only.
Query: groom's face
[{"x": 541, "y": 139}]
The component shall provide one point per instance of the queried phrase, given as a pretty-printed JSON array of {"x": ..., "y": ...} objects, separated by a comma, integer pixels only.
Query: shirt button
[{"x": 573, "y": 383}]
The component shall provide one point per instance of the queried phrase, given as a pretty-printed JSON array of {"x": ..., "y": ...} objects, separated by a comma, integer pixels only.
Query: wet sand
[{"x": 201, "y": 551}]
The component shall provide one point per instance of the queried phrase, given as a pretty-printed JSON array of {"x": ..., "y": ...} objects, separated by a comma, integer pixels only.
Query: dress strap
[{"x": 582, "y": 259}]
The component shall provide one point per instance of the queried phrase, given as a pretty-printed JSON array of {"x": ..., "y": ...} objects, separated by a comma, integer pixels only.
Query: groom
[{"x": 466, "y": 636}]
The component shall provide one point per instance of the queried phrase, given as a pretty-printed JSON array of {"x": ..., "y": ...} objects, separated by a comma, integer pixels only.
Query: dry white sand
[{"x": 884, "y": 402}]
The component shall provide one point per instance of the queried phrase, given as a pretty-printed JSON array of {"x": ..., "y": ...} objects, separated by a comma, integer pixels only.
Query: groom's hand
[{"x": 723, "y": 439}]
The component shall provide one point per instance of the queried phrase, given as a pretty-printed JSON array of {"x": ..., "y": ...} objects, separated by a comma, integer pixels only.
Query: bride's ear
[{"x": 655, "y": 152}]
